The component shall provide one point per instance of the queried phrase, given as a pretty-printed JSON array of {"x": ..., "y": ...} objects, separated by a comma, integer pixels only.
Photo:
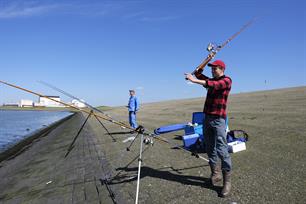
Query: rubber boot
[
  {"x": 226, "y": 183},
  {"x": 215, "y": 174}
]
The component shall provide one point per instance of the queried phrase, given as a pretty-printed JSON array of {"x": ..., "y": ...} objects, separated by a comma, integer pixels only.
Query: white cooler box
[{"x": 236, "y": 146}]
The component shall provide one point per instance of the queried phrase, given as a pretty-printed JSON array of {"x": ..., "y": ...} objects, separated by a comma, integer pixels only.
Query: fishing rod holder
[
  {"x": 148, "y": 140},
  {"x": 140, "y": 129}
]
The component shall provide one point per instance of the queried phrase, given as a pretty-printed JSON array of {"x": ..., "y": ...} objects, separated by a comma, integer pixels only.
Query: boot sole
[{"x": 224, "y": 196}]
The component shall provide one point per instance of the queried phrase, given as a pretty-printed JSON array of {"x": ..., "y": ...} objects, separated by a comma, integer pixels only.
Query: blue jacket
[{"x": 133, "y": 104}]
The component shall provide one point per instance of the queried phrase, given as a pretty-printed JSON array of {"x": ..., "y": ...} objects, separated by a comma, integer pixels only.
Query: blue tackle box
[
  {"x": 194, "y": 132},
  {"x": 193, "y": 129}
]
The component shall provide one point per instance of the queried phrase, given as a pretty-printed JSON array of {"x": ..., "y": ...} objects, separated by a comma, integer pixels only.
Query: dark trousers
[{"x": 215, "y": 141}]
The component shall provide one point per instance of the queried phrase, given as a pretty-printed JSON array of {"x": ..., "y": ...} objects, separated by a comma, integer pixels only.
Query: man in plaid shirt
[{"x": 214, "y": 128}]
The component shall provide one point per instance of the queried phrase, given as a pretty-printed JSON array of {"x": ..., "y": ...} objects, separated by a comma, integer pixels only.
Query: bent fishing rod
[
  {"x": 78, "y": 99},
  {"x": 139, "y": 129},
  {"x": 109, "y": 119},
  {"x": 67, "y": 105},
  {"x": 147, "y": 140},
  {"x": 213, "y": 48}
]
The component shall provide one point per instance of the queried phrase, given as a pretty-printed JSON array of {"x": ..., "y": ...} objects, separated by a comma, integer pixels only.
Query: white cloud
[
  {"x": 144, "y": 17},
  {"x": 22, "y": 9},
  {"x": 157, "y": 18},
  {"x": 16, "y": 9},
  {"x": 127, "y": 10}
]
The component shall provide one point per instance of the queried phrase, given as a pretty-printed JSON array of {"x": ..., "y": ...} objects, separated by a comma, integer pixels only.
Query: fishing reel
[
  {"x": 212, "y": 47},
  {"x": 148, "y": 140}
]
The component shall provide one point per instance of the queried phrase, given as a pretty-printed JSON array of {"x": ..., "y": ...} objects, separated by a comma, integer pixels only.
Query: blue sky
[{"x": 98, "y": 50}]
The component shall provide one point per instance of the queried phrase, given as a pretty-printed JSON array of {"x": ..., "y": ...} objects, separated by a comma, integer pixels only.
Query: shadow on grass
[
  {"x": 166, "y": 175},
  {"x": 178, "y": 137},
  {"x": 195, "y": 148}
]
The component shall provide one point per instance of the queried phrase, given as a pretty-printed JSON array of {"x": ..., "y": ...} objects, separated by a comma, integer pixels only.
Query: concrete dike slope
[
  {"x": 99, "y": 170},
  {"x": 42, "y": 174}
]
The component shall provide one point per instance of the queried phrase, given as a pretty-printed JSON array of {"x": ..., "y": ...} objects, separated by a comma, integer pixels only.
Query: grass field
[{"x": 271, "y": 170}]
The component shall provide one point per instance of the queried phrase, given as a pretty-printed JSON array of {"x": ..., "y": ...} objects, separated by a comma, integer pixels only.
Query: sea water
[{"x": 17, "y": 125}]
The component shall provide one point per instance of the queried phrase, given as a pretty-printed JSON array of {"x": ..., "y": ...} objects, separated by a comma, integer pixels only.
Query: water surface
[{"x": 17, "y": 125}]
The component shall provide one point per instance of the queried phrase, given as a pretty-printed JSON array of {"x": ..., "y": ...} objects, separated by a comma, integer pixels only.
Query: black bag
[{"x": 237, "y": 135}]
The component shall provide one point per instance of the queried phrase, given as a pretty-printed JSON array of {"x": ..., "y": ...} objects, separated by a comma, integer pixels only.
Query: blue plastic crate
[
  {"x": 198, "y": 129},
  {"x": 190, "y": 140},
  {"x": 198, "y": 117}
]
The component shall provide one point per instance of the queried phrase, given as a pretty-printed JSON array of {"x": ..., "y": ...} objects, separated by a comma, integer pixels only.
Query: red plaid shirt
[{"x": 217, "y": 93}]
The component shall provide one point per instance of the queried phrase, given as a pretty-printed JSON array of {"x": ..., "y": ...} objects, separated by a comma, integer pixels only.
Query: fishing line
[
  {"x": 123, "y": 124},
  {"x": 76, "y": 98},
  {"x": 108, "y": 118},
  {"x": 213, "y": 48}
]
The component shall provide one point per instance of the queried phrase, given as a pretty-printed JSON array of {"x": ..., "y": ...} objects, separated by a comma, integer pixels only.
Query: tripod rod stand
[
  {"x": 77, "y": 135},
  {"x": 114, "y": 140},
  {"x": 141, "y": 131}
]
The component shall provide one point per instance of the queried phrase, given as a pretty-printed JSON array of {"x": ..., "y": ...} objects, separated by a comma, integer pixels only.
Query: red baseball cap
[{"x": 217, "y": 63}]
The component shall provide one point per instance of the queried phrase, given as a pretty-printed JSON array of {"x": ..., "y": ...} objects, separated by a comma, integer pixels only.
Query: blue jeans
[
  {"x": 215, "y": 141},
  {"x": 132, "y": 119}
]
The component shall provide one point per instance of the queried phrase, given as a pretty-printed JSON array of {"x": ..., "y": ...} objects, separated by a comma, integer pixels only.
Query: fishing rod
[
  {"x": 213, "y": 48},
  {"x": 140, "y": 130},
  {"x": 90, "y": 106},
  {"x": 76, "y": 98},
  {"x": 148, "y": 140},
  {"x": 68, "y": 105}
]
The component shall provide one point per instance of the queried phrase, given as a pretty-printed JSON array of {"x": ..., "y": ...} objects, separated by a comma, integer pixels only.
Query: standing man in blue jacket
[{"x": 133, "y": 107}]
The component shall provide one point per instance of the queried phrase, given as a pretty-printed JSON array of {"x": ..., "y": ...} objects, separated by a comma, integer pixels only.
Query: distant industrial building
[
  {"x": 26, "y": 103},
  {"x": 11, "y": 104},
  {"x": 47, "y": 102},
  {"x": 36, "y": 104},
  {"x": 78, "y": 103}
]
